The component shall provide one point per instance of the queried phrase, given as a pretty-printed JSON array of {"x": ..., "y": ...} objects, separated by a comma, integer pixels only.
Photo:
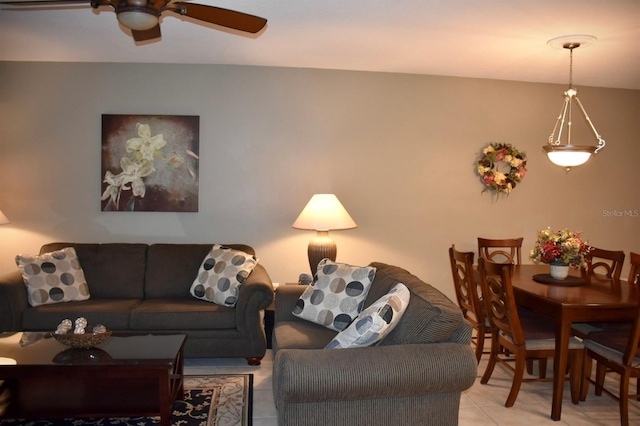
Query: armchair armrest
[
  {"x": 286, "y": 299},
  {"x": 13, "y": 301},
  {"x": 377, "y": 372}
]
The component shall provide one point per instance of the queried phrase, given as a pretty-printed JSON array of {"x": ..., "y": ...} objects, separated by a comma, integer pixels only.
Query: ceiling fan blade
[
  {"x": 42, "y": 2},
  {"x": 219, "y": 16},
  {"x": 149, "y": 34}
]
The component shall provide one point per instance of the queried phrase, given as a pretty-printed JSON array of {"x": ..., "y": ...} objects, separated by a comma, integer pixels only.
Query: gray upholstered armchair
[{"x": 415, "y": 376}]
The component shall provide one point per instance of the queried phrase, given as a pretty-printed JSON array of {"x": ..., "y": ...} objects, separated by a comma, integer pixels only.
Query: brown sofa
[
  {"x": 145, "y": 288},
  {"x": 415, "y": 376}
]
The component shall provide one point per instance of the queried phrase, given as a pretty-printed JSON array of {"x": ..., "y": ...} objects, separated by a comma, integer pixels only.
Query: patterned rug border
[
  {"x": 225, "y": 400},
  {"x": 225, "y": 412}
]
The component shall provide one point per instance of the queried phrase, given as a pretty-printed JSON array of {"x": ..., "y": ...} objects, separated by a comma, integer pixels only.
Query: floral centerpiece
[{"x": 564, "y": 248}]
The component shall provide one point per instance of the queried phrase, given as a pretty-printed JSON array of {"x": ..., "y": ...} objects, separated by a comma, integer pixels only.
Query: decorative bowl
[{"x": 87, "y": 340}]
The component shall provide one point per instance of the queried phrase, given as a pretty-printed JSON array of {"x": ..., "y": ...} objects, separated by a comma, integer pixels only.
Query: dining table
[{"x": 576, "y": 299}]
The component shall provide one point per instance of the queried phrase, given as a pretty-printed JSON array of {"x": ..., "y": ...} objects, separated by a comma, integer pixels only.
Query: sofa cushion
[
  {"x": 112, "y": 313},
  {"x": 113, "y": 271},
  {"x": 430, "y": 317},
  {"x": 337, "y": 294},
  {"x": 375, "y": 322},
  {"x": 171, "y": 268},
  {"x": 181, "y": 314},
  {"x": 300, "y": 335},
  {"x": 221, "y": 274},
  {"x": 53, "y": 277}
]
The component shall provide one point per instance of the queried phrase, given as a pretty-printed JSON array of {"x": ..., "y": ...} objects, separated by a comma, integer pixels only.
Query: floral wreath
[{"x": 492, "y": 167}]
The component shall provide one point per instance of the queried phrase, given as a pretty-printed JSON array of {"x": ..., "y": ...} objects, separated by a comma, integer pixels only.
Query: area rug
[{"x": 215, "y": 400}]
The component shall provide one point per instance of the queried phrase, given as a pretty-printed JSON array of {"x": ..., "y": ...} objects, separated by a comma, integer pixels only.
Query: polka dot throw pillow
[
  {"x": 374, "y": 323},
  {"x": 221, "y": 274},
  {"x": 53, "y": 277},
  {"x": 337, "y": 294}
]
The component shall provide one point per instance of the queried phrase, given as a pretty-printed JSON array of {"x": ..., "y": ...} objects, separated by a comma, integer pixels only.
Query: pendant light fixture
[{"x": 568, "y": 155}]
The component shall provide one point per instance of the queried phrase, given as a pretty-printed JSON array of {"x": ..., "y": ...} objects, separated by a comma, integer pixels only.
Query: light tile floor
[{"x": 480, "y": 405}]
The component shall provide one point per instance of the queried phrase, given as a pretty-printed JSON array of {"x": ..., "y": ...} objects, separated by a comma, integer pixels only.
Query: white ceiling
[{"x": 497, "y": 39}]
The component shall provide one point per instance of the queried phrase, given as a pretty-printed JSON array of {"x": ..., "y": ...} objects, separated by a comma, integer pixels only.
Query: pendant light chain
[{"x": 571, "y": 65}]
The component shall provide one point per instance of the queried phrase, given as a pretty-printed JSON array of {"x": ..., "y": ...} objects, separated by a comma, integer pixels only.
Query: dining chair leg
[
  {"x": 518, "y": 375},
  {"x": 542, "y": 368},
  {"x": 492, "y": 361},
  {"x": 586, "y": 375},
  {"x": 601, "y": 371},
  {"x": 577, "y": 361},
  {"x": 624, "y": 398},
  {"x": 482, "y": 331}
]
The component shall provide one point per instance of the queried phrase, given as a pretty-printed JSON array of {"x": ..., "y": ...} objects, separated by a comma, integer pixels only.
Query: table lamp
[{"x": 323, "y": 213}]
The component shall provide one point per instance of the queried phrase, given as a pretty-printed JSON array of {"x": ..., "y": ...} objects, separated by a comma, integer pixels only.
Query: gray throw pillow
[
  {"x": 337, "y": 294},
  {"x": 221, "y": 274},
  {"x": 374, "y": 323},
  {"x": 53, "y": 277}
]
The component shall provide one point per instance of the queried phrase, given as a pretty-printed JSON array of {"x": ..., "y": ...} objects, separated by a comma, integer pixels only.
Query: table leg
[
  {"x": 165, "y": 402},
  {"x": 563, "y": 332}
]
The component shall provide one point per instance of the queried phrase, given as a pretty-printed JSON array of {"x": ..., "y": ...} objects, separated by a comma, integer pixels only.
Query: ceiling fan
[{"x": 142, "y": 16}]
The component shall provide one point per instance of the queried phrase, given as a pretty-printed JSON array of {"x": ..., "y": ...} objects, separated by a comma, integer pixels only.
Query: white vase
[{"x": 559, "y": 272}]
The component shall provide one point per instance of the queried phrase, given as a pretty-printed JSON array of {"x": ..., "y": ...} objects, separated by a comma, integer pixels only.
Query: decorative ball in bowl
[{"x": 87, "y": 340}]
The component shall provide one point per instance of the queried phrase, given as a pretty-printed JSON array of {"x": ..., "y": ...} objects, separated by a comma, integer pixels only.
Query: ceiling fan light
[
  {"x": 569, "y": 155},
  {"x": 138, "y": 20}
]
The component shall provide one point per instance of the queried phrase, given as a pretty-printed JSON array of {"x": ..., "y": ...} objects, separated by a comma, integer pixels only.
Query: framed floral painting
[{"x": 150, "y": 163}]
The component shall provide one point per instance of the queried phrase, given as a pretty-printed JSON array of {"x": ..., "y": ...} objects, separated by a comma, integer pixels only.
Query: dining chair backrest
[
  {"x": 499, "y": 299},
  {"x": 465, "y": 284},
  {"x": 507, "y": 250},
  {"x": 634, "y": 272},
  {"x": 607, "y": 263}
]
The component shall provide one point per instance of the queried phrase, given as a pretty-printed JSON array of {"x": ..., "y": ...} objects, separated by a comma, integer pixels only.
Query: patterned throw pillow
[
  {"x": 337, "y": 294},
  {"x": 221, "y": 274},
  {"x": 374, "y": 323},
  {"x": 53, "y": 277}
]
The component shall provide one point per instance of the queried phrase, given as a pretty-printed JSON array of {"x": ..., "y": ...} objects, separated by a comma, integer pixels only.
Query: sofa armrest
[
  {"x": 13, "y": 301},
  {"x": 377, "y": 372},
  {"x": 286, "y": 298},
  {"x": 255, "y": 294}
]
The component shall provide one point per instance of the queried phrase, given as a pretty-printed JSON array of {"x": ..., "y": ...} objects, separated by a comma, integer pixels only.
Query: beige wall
[{"x": 398, "y": 150}]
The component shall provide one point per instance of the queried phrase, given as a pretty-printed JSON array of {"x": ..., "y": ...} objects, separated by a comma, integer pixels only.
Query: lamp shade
[
  {"x": 322, "y": 213},
  {"x": 3, "y": 218}
]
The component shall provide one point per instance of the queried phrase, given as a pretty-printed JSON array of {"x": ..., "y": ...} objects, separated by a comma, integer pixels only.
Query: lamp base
[{"x": 320, "y": 247}]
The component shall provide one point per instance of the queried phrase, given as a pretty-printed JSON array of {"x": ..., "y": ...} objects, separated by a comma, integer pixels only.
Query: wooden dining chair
[
  {"x": 507, "y": 250},
  {"x": 634, "y": 271},
  {"x": 466, "y": 287},
  {"x": 616, "y": 351},
  {"x": 604, "y": 263},
  {"x": 522, "y": 333}
]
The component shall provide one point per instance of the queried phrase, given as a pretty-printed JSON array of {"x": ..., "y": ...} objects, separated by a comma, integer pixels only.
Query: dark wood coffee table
[{"x": 128, "y": 375}]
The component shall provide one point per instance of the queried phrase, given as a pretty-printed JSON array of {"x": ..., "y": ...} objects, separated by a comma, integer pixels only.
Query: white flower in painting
[
  {"x": 146, "y": 145},
  {"x": 133, "y": 172},
  {"x": 114, "y": 182}
]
